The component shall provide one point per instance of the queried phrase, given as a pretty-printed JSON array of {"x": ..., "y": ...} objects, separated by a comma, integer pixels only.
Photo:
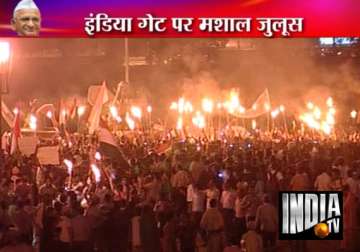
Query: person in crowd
[
  {"x": 252, "y": 241},
  {"x": 81, "y": 232},
  {"x": 183, "y": 201},
  {"x": 267, "y": 222},
  {"x": 212, "y": 222},
  {"x": 228, "y": 197},
  {"x": 323, "y": 181},
  {"x": 198, "y": 204},
  {"x": 149, "y": 232}
]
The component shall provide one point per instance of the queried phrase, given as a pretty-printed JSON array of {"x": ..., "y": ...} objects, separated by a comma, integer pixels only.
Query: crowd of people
[{"x": 175, "y": 195}]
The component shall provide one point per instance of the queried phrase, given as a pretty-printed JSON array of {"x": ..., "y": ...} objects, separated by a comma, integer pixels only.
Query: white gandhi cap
[{"x": 25, "y": 4}]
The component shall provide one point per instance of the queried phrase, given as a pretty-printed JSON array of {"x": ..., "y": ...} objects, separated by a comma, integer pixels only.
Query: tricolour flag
[{"x": 110, "y": 148}]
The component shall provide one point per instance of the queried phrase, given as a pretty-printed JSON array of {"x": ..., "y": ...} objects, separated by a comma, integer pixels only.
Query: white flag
[{"x": 94, "y": 118}]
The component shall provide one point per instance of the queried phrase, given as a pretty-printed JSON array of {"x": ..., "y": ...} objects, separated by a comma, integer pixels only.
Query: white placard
[
  {"x": 49, "y": 155},
  {"x": 27, "y": 145}
]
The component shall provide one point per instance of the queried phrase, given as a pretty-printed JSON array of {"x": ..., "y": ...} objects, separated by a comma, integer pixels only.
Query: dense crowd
[{"x": 173, "y": 196}]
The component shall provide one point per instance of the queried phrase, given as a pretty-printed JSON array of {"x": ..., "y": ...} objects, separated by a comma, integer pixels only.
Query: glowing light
[
  {"x": 149, "y": 109},
  {"x": 16, "y": 111},
  {"x": 330, "y": 119},
  {"x": 97, "y": 174},
  {"x": 329, "y": 102},
  {"x": 310, "y": 105},
  {"x": 49, "y": 114},
  {"x": 174, "y": 106},
  {"x": 233, "y": 103},
  {"x": 33, "y": 122},
  {"x": 98, "y": 156},
  {"x": 64, "y": 112},
  {"x": 353, "y": 114},
  {"x": 275, "y": 113},
  {"x": 136, "y": 112},
  {"x": 199, "y": 120},
  {"x": 69, "y": 166},
  {"x": 130, "y": 122},
  {"x": 253, "y": 124},
  {"x": 254, "y": 107},
  {"x": 332, "y": 111},
  {"x": 188, "y": 108},
  {"x": 326, "y": 128},
  {"x": 179, "y": 123},
  {"x": 4, "y": 51},
  {"x": 114, "y": 112},
  {"x": 282, "y": 108},
  {"x": 267, "y": 107},
  {"x": 234, "y": 99},
  {"x": 317, "y": 113},
  {"x": 241, "y": 109},
  {"x": 207, "y": 105},
  {"x": 81, "y": 110},
  {"x": 118, "y": 119},
  {"x": 181, "y": 105},
  {"x": 310, "y": 121}
]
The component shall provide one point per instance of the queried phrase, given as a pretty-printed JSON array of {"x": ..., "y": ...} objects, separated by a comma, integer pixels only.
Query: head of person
[
  {"x": 266, "y": 198},
  {"x": 26, "y": 19},
  {"x": 213, "y": 203}
]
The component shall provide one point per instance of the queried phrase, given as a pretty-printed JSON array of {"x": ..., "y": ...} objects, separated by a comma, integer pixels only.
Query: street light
[{"x": 4, "y": 59}]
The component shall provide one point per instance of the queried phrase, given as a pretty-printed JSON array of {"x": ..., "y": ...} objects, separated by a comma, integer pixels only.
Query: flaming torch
[
  {"x": 49, "y": 114},
  {"x": 97, "y": 156},
  {"x": 96, "y": 171},
  {"x": 136, "y": 112},
  {"x": 199, "y": 120},
  {"x": 179, "y": 123},
  {"x": 130, "y": 122},
  {"x": 69, "y": 166},
  {"x": 253, "y": 124},
  {"x": 353, "y": 114},
  {"x": 33, "y": 123},
  {"x": 81, "y": 111},
  {"x": 114, "y": 112},
  {"x": 207, "y": 105}
]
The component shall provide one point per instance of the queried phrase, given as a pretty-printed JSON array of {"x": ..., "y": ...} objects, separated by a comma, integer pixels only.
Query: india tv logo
[{"x": 311, "y": 216}]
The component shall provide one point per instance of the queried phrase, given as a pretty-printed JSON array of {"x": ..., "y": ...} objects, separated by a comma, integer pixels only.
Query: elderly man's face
[{"x": 27, "y": 22}]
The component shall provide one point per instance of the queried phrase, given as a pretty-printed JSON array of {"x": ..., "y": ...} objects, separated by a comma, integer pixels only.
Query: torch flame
[
  {"x": 33, "y": 122},
  {"x": 199, "y": 120},
  {"x": 69, "y": 166},
  {"x": 98, "y": 156},
  {"x": 253, "y": 124},
  {"x": 179, "y": 123},
  {"x": 96, "y": 172},
  {"x": 49, "y": 114},
  {"x": 130, "y": 122},
  {"x": 81, "y": 110},
  {"x": 353, "y": 114},
  {"x": 329, "y": 102},
  {"x": 136, "y": 112},
  {"x": 207, "y": 105}
]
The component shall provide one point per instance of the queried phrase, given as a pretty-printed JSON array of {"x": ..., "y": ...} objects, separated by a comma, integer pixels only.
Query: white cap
[{"x": 25, "y": 4}]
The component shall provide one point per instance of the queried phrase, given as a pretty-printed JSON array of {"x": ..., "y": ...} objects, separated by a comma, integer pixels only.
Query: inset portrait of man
[{"x": 26, "y": 19}]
